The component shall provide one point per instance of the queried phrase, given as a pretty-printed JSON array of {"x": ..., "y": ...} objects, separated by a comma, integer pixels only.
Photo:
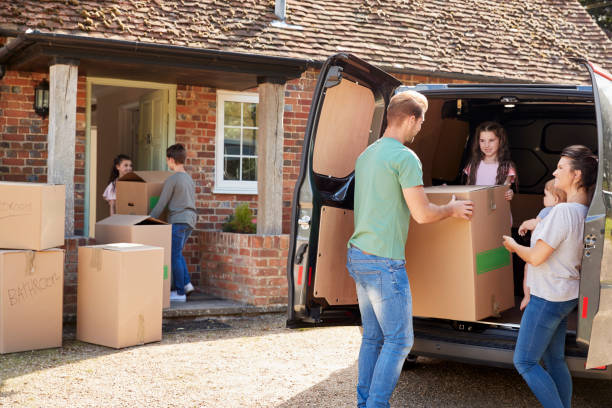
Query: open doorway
[{"x": 125, "y": 117}]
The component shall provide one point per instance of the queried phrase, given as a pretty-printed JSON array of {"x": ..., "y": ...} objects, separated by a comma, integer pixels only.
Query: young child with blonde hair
[{"x": 552, "y": 197}]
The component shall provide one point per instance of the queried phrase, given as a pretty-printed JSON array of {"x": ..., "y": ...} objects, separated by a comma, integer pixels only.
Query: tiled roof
[{"x": 526, "y": 39}]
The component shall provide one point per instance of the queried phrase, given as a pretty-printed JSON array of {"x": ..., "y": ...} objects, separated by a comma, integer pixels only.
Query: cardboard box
[
  {"x": 31, "y": 294},
  {"x": 119, "y": 294},
  {"x": 459, "y": 269},
  {"x": 140, "y": 229},
  {"x": 139, "y": 191},
  {"x": 32, "y": 215}
]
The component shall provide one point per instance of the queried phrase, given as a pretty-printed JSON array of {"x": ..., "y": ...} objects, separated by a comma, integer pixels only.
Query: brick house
[{"x": 136, "y": 76}]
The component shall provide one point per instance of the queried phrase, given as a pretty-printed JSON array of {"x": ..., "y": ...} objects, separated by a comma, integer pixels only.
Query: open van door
[
  {"x": 595, "y": 302},
  {"x": 346, "y": 115}
]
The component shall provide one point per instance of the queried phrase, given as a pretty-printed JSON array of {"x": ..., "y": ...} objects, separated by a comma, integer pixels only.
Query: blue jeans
[
  {"x": 542, "y": 337},
  {"x": 180, "y": 273},
  {"x": 386, "y": 316}
]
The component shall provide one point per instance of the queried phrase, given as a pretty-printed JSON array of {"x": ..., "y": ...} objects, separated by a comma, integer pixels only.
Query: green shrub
[{"x": 241, "y": 221}]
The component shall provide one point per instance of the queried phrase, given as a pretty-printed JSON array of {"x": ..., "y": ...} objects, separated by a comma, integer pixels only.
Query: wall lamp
[{"x": 41, "y": 98}]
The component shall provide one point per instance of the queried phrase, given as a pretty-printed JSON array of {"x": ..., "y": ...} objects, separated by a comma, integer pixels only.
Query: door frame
[{"x": 91, "y": 151}]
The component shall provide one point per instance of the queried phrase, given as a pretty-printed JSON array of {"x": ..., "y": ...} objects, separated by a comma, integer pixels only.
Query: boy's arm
[
  {"x": 528, "y": 225},
  {"x": 164, "y": 199}
]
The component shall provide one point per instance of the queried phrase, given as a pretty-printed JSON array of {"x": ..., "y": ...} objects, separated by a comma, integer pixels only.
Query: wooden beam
[
  {"x": 62, "y": 132},
  {"x": 270, "y": 157}
]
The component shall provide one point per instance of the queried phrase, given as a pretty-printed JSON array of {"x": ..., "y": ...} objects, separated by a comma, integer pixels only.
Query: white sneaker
[
  {"x": 188, "y": 288},
  {"x": 175, "y": 297}
]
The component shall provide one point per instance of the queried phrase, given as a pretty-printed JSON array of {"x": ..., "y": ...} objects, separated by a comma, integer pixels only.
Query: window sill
[{"x": 234, "y": 190}]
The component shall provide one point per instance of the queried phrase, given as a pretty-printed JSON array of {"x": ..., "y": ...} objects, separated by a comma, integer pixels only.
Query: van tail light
[
  {"x": 585, "y": 307},
  {"x": 602, "y": 368},
  {"x": 300, "y": 271},
  {"x": 309, "y": 275}
]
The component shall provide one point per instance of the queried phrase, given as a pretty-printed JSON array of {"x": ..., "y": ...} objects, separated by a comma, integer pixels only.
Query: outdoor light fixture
[{"x": 41, "y": 98}]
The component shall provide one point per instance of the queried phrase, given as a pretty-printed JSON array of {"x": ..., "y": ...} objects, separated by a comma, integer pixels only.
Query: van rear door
[
  {"x": 346, "y": 115},
  {"x": 595, "y": 307}
]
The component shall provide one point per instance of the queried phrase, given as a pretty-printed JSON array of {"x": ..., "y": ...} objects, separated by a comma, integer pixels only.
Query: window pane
[
  {"x": 231, "y": 141},
  {"x": 250, "y": 114},
  {"x": 249, "y": 169},
  {"x": 232, "y": 113},
  {"x": 231, "y": 168},
  {"x": 249, "y": 142}
]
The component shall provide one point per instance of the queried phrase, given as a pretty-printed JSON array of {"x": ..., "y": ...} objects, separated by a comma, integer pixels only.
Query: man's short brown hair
[
  {"x": 404, "y": 104},
  {"x": 177, "y": 152}
]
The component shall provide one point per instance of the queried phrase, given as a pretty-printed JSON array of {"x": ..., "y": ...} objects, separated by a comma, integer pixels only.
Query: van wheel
[{"x": 410, "y": 363}]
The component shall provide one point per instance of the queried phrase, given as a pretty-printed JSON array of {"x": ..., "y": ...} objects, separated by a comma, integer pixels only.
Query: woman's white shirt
[{"x": 558, "y": 278}]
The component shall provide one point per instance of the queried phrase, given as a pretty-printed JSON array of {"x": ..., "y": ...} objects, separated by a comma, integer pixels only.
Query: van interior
[{"x": 538, "y": 125}]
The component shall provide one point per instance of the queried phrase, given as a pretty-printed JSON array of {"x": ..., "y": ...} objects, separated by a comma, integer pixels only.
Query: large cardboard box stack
[
  {"x": 140, "y": 229},
  {"x": 119, "y": 294},
  {"x": 31, "y": 274},
  {"x": 139, "y": 191},
  {"x": 459, "y": 269}
]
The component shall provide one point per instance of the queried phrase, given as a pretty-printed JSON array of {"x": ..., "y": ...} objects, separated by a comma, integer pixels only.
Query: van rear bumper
[{"x": 493, "y": 356}]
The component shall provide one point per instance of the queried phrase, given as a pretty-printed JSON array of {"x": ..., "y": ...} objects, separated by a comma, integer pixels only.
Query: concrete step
[{"x": 204, "y": 305}]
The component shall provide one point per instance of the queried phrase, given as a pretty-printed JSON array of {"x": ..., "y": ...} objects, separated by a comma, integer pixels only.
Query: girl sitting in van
[
  {"x": 122, "y": 165},
  {"x": 490, "y": 162},
  {"x": 554, "y": 257}
]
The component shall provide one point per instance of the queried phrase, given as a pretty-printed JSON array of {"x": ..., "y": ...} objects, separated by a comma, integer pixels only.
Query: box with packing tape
[
  {"x": 31, "y": 294},
  {"x": 139, "y": 191},
  {"x": 32, "y": 215},
  {"x": 119, "y": 294},
  {"x": 459, "y": 269},
  {"x": 139, "y": 229}
]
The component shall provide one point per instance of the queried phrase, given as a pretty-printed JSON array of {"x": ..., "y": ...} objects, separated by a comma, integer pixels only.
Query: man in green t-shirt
[{"x": 388, "y": 189}]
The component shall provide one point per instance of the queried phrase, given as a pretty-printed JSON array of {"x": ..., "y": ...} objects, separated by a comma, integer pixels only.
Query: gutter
[{"x": 30, "y": 37}]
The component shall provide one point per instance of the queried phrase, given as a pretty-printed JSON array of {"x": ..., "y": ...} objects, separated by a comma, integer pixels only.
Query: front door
[
  {"x": 347, "y": 114},
  {"x": 153, "y": 131}
]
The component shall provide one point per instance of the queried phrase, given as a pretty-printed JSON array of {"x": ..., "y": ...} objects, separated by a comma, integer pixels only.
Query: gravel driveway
[{"x": 255, "y": 362}]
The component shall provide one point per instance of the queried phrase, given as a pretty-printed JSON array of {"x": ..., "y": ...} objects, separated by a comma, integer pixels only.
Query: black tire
[{"x": 410, "y": 363}]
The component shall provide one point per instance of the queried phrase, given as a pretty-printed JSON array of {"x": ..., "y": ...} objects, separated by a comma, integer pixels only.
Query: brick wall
[
  {"x": 245, "y": 268},
  {"x": 23, "y": 136}
]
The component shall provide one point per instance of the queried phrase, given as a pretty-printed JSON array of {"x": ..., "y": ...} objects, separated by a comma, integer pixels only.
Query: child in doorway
[
  {"x": 552, "y": 197},
  {"x": 490, "y": 162},
  {"x": 122, "y": 165},
  {"x": 178, "y": 194}
]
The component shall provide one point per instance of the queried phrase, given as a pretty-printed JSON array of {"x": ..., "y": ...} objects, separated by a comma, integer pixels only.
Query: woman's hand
[
  {"x": 509, "y": 194},
  {"x": 509, "y": 243}
]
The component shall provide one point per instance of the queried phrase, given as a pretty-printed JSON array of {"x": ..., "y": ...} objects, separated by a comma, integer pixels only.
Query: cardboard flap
[
  {"x": 124, "y": 247},
  {"x": 453, "y": 189},
  {"x": 146, "y": 176},
  {"x": 124, "y": 219}
]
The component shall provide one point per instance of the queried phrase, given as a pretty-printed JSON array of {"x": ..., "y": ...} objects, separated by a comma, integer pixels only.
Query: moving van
[{"x": 348, "y": 114}]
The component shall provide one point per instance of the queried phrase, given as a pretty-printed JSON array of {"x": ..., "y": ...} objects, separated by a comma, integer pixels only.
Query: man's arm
[
  {"x": 425, "y": 212},
  {"x": 164, "y": 198}
]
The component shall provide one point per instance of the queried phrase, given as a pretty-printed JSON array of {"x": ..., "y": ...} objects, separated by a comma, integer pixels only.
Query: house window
[{"x": 236, "y": 143}]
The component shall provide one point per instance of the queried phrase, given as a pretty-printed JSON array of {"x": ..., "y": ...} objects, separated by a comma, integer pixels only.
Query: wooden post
[
  {"x": 270, "y": 156},
  {"x": 62, "y": 132}
]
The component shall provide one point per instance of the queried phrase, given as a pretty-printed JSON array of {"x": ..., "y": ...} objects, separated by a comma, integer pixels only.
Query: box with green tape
[
  {"x": 140, "y": 229},
  {"x": 459, "y": 269},
  {"x": 139, "y": 191}
]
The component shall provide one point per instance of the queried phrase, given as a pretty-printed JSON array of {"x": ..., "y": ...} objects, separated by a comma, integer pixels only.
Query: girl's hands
[
  {"x": 509, "y": 194},
  {"x": 509, "y": 243}
]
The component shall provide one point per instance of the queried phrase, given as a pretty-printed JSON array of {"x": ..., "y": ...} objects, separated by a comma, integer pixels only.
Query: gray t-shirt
[
  {"x": 179, "y": 195},
  {"x": 558, "y": 279}
]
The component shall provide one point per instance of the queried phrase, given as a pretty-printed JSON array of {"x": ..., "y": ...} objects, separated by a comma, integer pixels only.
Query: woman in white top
[
  {"x": 554, "y": 260},
  {"x": 122, "y": 165}
]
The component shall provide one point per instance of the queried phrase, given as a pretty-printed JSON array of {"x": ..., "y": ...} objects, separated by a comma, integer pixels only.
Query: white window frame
[{"x": 230, "y": 186}]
